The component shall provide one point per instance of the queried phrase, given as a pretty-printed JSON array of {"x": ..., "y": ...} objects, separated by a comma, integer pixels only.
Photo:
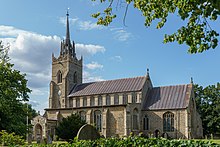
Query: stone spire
[
  {"x": 67, "y": 41},
  {"x": 66, "y": 46}
]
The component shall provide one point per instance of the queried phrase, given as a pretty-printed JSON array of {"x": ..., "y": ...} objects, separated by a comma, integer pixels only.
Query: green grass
[
  {"x": 216, "y": 141},
  {"x": 213, "y": 140}
]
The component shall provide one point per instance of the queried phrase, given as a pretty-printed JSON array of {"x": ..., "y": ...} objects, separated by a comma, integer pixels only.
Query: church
[{"x": 116, "y": 107}]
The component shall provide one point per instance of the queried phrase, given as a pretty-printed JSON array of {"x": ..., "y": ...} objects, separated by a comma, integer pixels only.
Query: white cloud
[
  {"x": 83, "y": 25},
  {"x": 88, "y": 49},
  {"x": 9, "y": 31},
  {"x": 72, "y": 21},
  {"x": 116, "y": 58},
  {"x": 34, "y": 103},
  {"x": 94, "y": 65},
  {"x": 121, "y": 34},
  {"x": 88, "y": 77},
  {"x": 88, "y": 25},
  {"x": 31, "y": 54},
  {"x": 39, "y": 91}
]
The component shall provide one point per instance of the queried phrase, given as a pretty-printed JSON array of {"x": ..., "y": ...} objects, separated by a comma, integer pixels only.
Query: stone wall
[
  {"x": 156, "y": 123},
  {"x": 112, "y": 118}
]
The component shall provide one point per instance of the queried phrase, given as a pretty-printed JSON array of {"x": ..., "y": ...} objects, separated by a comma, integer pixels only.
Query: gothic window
[
  {"x": 168, "y": 122},
  {"x": 125, "y": 98},
  {"x": 116, "y": 99},
  {"x": 99, "y": 100},
  {"x": 135, "y": 119},
  {"x": 82, "y": 115},
  {"x": 108, "y": 99},
  {"x": 59, "y": 77},
  {"x": 98, "y": 120},
  {"x": 134, "y": 97},
  {"x": 71, "y": 102},
  {"x": 146, "y": 122},
  {"x": 75, "y": 77},
  {"x": 92, "y": 101},
  {"x": 77, "y": 102},
  {"x": 84, "y": 102}
]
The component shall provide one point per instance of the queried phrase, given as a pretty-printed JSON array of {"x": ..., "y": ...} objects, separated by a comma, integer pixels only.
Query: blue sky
[{"x": 34, "y": 30}]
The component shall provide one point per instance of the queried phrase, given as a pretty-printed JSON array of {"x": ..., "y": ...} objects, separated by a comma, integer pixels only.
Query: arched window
[
  {"x": 82, "y": 115},
  {"x": 135, "y": 119},
  {"x": 99, "y": 100},
  {"x": 92, "y": 101},
  {"x": 168, "y": 122},
  {"x": 98, "y": 120},
  {"x": 134, "y": 97},
  {"x": 84, "y": 102},
  {"x": 125, "y": 98},
  {"x": 146, "y": 122},
  {"x": 77, "y": 102},
  {"x": 108, "y": 99},
  {"x": 59, "y": 77},
  {"x": 116, "y": 99},
  {"x": 75, "y": 77}
]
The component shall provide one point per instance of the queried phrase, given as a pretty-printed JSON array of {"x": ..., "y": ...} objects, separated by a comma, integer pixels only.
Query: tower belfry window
[
  {"x": 59, "y": 77},
  {"x": 75, "y": 77}
]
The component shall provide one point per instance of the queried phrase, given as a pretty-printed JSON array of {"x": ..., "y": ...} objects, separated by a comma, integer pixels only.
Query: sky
[{"x": 34, "y": 30}]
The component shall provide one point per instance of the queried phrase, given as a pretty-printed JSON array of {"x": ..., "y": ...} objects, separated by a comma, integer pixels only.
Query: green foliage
[
  {"x": 13, "y": 94},
  {"x": 208, "y": 105},
  {"x": 197, "y": 33},
  {"x": 11, "y": 139},
  {"x": 133, "y": 141},
  {"x": 68, "y": 128}
]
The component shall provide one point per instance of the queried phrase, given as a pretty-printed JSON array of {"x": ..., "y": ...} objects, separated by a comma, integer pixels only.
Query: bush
[
  {"x": 11, "y": 139},
  {"x": 68, "y": 128}
]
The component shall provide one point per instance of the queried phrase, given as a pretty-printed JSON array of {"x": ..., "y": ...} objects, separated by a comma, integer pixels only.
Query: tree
[
  {"x": 208, "y": 105},
  {"x": 69, "y": 127},
  {"x": 197, "y": 33},
  {"x": 13, "y": 95}
]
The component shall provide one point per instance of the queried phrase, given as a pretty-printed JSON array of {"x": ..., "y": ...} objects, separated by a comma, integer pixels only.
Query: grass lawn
[
  {"x": 216, "y": 141},
  {"x": 213, "y": 140}
]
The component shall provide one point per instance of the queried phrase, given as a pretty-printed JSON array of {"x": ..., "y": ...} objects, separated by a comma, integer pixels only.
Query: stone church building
[{"x": 116, "y": 107}]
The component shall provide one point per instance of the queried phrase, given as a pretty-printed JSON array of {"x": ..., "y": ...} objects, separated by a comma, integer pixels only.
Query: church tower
[{"x": 66, "y": 72}]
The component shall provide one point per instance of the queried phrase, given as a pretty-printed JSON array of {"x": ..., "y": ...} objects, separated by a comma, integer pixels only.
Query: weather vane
[{"x": 67, "y": 13}]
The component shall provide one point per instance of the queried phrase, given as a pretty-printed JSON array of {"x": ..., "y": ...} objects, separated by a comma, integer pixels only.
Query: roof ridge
[
  {"x": 172, "y": 85},
  {"x": 114, "y": 80}
]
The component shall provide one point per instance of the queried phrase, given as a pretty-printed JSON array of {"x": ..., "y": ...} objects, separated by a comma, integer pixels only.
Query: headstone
[
  {"x": 87, "y": 132},
  {"x": 38, "y": 139},
  {"x": 166, "y": 135},
  {"x": 49, "y": 140},
  {"x": 29, "y": 138}
]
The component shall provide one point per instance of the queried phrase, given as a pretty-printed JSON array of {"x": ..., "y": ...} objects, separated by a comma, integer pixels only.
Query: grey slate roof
[
  {"x": 107, "y": 87},
  {"x": 168, "y": 97}
]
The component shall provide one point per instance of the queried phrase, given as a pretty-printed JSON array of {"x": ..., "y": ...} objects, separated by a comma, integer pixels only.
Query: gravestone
[
  {"x": 49, "y": 140},
  {"x": 87, "y": 132}
]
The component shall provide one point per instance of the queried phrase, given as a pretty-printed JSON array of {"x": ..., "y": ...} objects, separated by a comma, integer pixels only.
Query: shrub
[
  {"x": 67, "y": 129},
  {"x": 11, "y": 139}
]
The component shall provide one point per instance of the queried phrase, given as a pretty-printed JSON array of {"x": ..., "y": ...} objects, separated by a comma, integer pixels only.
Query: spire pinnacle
[
  {"x": 66, "y": 47},
  {"x": 67, "y": 42},
  {"x": 148, "y": 75},
  {"x": 191, "y": 80}
]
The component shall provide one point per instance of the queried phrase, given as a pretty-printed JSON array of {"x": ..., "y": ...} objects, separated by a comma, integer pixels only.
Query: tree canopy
[
  {"x": 68, "y": 128},
  {"x": 13, "y": 95},
  {"x": 208, "y": 105},
  {"x": 197, "y": 33}
]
